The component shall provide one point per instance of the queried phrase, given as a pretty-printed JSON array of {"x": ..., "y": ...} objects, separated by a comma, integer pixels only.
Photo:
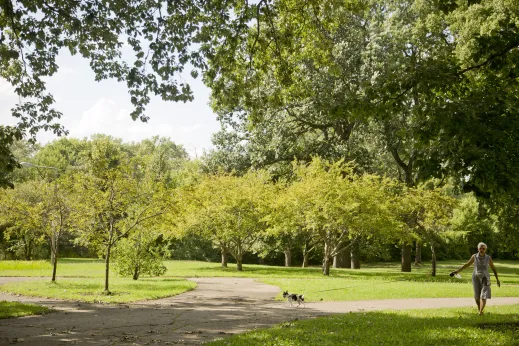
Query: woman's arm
[
  {"x": 469, "y": 263},
  {"x": 495, "y": 271}
]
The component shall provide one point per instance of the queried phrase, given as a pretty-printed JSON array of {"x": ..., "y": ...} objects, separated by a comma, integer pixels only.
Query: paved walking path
[{"x": 218, "y": 307}]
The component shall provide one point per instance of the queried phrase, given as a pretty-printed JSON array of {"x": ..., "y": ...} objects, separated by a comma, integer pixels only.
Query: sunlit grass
[
  {"x": 336, "y": 289},
  {"x": 373, "y": 281},
  {"x": 76, "y": 267},
  {"x": 15, "y": 309},
  {"x": 90, "y": 290},
  {"x": 457, "y": 326}
]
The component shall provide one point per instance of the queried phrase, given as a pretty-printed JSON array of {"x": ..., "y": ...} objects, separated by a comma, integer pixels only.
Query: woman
[{"x": 481, "y": 276}]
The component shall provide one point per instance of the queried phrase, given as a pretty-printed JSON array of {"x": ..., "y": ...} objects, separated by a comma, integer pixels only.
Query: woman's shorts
[{"x": 481, "y": 287}]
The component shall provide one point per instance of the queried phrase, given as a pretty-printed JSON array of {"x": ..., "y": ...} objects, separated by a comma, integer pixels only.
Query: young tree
[
  {"x": 434, "y": 213},
  {"x": 340, "y": 207},
  {"x": 140, "y": 253},
  {"x": 228, "y": 210},
  {"x": 113, "y": 200},
  {"x": 22, "y": 211}
]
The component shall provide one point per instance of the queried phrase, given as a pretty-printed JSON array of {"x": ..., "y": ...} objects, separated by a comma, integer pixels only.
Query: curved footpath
[{"x": 218, "y": 307}]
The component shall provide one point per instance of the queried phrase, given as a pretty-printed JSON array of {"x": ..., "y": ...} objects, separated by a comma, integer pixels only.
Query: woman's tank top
[{"x": 481, "y": 265}]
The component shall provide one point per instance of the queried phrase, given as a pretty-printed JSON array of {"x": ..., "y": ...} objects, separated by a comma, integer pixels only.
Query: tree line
[{"x": 134, "y": 199}]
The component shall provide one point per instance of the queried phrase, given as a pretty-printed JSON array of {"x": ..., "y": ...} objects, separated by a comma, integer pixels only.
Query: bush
[{"x": 139, "y": 254}]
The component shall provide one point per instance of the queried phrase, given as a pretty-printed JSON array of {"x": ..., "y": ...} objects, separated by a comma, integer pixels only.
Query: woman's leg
[{"x": 482, "y": 306}]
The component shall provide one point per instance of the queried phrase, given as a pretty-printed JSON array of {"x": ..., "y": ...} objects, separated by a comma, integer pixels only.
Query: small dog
[{"x": 292, "y": 297}]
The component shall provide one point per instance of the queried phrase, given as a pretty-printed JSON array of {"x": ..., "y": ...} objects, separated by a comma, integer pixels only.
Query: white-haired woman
[{"x": 481, "y": 276}]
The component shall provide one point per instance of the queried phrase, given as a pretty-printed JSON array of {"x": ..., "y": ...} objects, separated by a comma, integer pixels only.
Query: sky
[{"x": 91, "y": 107}]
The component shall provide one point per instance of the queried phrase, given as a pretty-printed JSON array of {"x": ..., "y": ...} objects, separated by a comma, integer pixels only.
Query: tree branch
[{"x": 490, "y": 58}]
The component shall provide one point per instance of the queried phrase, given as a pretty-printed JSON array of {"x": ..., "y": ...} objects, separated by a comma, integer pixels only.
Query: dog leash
[{"x": 370, "y": 284}]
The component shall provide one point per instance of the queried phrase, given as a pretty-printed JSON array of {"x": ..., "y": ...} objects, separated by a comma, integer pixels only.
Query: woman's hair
[{"x": 482, "y": 244}]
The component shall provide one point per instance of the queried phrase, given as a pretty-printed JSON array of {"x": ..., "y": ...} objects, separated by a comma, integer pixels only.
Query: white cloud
[
  {"x": 6, "y": 88},
  {"x": 107, "y": 117}
]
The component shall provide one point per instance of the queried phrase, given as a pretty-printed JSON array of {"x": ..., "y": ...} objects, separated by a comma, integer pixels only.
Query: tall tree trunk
[
  {"x": 433, "y": 259},
  {"x": 54, "y": 251},
  {"x": 306, "y": 255},
  {"x": 239, "y": 265},
  {"x": 355, "y": 256},
  {"x": 54, "y": 267},
  {"x": 225, "y": 257},
  {"x": 288, "y": 257},
  {"x": 328, "y": 259},
  {"x": 347, "y": 259},
  {"x": 107, "y": 268},
  {"x": 327, "y": 264},
  {"x": 51, "y": 252},
  {"x": 418, "y": 254},
  {"x": 406, "y": 257}
]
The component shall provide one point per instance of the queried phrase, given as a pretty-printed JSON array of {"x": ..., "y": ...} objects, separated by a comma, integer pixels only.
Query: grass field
[
  {"x": 82, "y": 279},
  {"x": 90, "y": 290},
  {"x": 459, "y": 326},
  {"x": 14, "y": 309}
]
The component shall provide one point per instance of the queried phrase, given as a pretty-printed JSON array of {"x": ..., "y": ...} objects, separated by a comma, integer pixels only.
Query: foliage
[
  {"x": 22, "y": 213},
  {"x": 163, "y": 39},
  {"x": 337, "y": 207},
  {"x": 433, "y": 84},
  {"x": 228, "y": 210},
  {"x": 113, "y": 200},
  {"x": 139, "y": 254}
]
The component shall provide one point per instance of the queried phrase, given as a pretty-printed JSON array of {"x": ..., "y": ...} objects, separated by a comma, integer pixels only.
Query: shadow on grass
[{"x": 388, "y": 328}]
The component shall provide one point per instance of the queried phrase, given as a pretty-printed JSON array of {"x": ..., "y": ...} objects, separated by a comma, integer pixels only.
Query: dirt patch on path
[{"x": 218, "y": 307}]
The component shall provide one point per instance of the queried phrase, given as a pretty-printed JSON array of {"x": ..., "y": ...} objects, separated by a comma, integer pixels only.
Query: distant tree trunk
[
  {"x": 355, "y": 256},
  {"x": 406, "y": 257},
  {"x": 225, "y": 257},
  {"x": 136, "y": 272},
  {"x": 347, "y": 259},
  {"x": 288, "y": 257},
  {"x": 328, "y": 259},
  {"x": 327, "y": 264},
  {"x": 340, "y": 260},
  {"x": 27, "y": 247},
  {"x": 306, "y": 255},
  {"x": 418, "y": 255},
  {"x": 107, "y": 267},
  {"x": 239, "y": 265},
  {"x": 433, "y": 260}
]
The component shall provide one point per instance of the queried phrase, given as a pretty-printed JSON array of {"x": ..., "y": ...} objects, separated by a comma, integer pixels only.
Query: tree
[
  {"x": 339, "y": 207},
  {"x": 58, "y": 214},
  {"x": 113, "y": 200},
  {"x": 22, "y": 212},
  {"x": 139, "y": 254},
  {"x": 434, "y": 213},
  {"x": 229, "y": 210},
  {"x": 437, "y": 80},
  {"x": 166, "y": 37}
]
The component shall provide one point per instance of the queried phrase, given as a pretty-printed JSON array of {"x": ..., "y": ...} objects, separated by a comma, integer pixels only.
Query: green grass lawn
[
  {"x": 457, "y": 326},
  {"x": 14, "y": 309},
  {"x": 82, "y": 279},
  {"x": 91, "y": 289}
]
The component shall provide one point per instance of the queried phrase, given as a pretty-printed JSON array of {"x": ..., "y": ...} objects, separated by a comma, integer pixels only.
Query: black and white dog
[{"x": 299, "y": 298}]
